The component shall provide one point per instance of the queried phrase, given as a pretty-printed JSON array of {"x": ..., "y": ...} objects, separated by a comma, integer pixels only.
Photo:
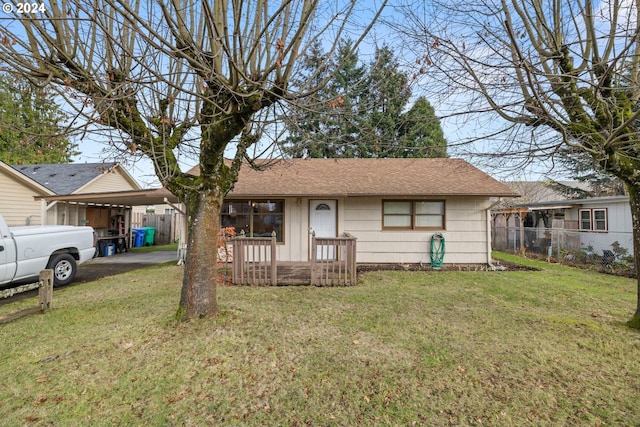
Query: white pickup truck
[{"x": 25, "y": 251}]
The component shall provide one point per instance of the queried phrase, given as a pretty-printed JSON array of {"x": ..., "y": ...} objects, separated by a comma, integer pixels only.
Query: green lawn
[{"x": 533, "y": 348}]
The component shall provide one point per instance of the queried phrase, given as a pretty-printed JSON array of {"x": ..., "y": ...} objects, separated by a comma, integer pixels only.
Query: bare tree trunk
[
  {"x": 198, "y": 298},
  {"x": 634, "y": 202}
]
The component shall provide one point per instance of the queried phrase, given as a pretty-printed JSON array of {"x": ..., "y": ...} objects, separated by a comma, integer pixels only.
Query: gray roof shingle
[{"x": 64, "y": 178}]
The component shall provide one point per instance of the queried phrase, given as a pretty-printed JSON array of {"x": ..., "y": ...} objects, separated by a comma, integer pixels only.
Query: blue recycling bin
[
  {"x": 110, "y": 249},
  {"x": 138, "y": 237}
]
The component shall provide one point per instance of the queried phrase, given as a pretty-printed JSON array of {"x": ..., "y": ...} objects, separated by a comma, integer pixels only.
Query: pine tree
[
  {"x": 360, "y": 112},
  {"x": 583, "y": 170},
  {"x": 30, "y": 129},
  {"x": 420, "y": 134},
  {"x": 326, "y": 125},
  {"x": 385, "y": 98}
]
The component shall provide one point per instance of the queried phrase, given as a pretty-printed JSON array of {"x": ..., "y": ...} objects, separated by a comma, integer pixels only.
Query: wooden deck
[
  {"x": 332, "y": 263},
  {"x": 294, "y": 273},
  {"x": 299, "y": 273}
]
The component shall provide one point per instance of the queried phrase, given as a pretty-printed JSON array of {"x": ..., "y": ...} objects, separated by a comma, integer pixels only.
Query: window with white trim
[
  {"x": 585, "y": 219},
  {"x": 593, "y": 219},
  {"x": 600, "y": 219}
]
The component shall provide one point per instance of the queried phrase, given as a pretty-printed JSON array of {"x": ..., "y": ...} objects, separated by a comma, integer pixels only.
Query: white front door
[{"x": 323, "y": 221}]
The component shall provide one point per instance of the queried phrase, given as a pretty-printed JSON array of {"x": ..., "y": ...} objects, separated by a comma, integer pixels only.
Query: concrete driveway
[{"x": 121, "y": 263}]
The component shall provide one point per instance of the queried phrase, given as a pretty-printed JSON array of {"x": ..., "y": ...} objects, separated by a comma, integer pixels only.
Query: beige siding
[
  {"x": 66, "y": 214},
  {"x": 74, "y": 214},
  {"x": 158, "y": 209},
  {"x": 110, "y": 181},
  {"x": 465, "y": 234},
  {"x": 17, "y": 205}
]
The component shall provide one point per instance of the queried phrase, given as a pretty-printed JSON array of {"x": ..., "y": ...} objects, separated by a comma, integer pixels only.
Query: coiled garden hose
[{"x": 437, "y": 250}]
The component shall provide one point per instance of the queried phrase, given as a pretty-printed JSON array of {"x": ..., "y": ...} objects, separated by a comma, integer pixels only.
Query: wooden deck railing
[
  {"x": 333, "y": 260},
  {"x": 254, "y": 260}
]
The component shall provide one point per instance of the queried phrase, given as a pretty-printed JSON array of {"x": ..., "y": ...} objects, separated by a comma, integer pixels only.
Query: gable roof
[
  {"x": 24, "y": 180},
  {"x": 67, "y": 178},
  {"x": 367, "y": 177}
]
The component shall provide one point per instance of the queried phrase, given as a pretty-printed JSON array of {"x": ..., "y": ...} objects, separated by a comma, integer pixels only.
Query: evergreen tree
[
  {"x": 360, "y": 112},
  {"x": 385, "y": 98},
  {"x": 584, "y": 170},
  {"x": 30, "y": 129},
  {"x": 325, "y": 125},
  {"x": 420, "y": 134}
]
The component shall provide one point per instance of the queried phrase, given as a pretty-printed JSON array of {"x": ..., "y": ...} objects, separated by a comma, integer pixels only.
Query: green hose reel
[{"x": 437, "y": 250}]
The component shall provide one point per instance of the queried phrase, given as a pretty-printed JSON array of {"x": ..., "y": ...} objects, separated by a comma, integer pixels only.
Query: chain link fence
[{"x": 611, "y": 251}]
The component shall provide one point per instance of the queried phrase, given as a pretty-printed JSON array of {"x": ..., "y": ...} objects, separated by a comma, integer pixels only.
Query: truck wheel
[{"x": 64, "y": 269}]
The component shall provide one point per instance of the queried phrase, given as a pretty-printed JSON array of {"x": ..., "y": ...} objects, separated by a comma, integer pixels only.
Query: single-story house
[
  {"x": 27, "y": 189},
  {"x": 591, "y": 224},
  {"x": 392, "y": 206}
]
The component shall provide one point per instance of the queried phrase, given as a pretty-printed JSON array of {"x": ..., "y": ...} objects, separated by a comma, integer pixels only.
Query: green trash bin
[{"x": 149, "y": 236}]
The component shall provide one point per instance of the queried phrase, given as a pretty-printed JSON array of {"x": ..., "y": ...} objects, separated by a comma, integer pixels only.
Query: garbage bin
[
  {"x": 138, "y": 237},
  {"x": 110, "y": 249},
  {"x": 102, "y": 248},
  {"x": 150, "y": 234}
]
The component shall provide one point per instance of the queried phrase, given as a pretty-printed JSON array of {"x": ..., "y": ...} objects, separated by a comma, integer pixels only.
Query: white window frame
[{"x": 593, "y": 221}]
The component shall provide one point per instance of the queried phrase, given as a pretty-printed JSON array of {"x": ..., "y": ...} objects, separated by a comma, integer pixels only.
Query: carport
[{"x": 109, "y": 213}]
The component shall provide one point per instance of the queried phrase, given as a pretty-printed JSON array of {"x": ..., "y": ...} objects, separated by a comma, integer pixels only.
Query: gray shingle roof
[{"x": 64, "y": 178}]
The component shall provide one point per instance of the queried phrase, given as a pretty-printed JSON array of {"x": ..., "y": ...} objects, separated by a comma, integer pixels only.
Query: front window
[
  {"x": 585, "y": 219},
  {"x": 413, "y": 214},
  {"x": 257, "y": 218},
  {"x": 593, "y": 219},
  {"x": 600, "y": 219}
]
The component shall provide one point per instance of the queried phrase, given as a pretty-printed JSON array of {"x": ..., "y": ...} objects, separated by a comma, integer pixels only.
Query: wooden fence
[
  {"x": 45, "y": 296},
  {"x": 333, "y": 260},
  {"x": 254, "y": 260},
  {"x": 167, "y": 226}
]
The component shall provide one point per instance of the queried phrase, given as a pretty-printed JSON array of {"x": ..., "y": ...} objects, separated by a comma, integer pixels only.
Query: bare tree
[
  {"x": 164, "y": 79},
  {"x": 559, "y": 73}
]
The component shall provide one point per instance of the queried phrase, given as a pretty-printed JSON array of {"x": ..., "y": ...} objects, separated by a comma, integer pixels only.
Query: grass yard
[{"x": 507, "y": 348}]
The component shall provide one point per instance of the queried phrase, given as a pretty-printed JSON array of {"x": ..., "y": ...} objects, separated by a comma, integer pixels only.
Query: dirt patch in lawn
[
  {"x": 498, "y": 266},
  {"x": 91, "y": 272}
]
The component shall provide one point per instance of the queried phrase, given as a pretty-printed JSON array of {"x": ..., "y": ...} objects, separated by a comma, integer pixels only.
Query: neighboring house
[
  {"x": 591, "y": 225},
  {"x": 23, "y": 184},
  {"x": 17, "y": 203},
  {"x": 392, "y": 206}
]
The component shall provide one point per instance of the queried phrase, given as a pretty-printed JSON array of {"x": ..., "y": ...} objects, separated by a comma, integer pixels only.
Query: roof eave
[{"x": 343, "y": 194}]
